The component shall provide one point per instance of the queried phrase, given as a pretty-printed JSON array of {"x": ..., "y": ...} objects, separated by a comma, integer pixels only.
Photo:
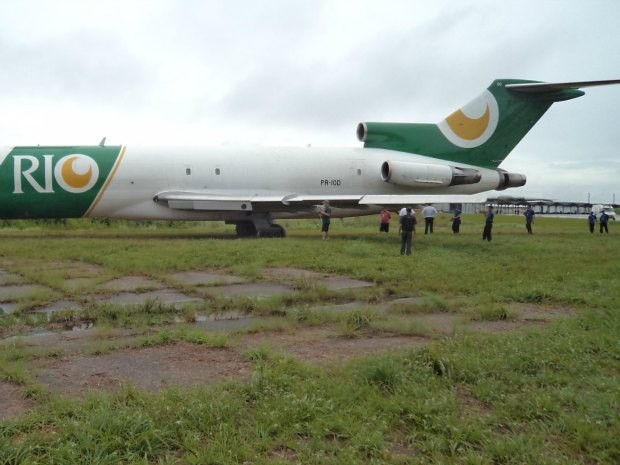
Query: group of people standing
[
  {"x": 602, "y": 221},
  {"x": 408, "y": 222}
]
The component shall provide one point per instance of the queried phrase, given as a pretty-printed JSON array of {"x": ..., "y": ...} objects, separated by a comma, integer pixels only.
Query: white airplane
[{"x": 400, "y": 164}]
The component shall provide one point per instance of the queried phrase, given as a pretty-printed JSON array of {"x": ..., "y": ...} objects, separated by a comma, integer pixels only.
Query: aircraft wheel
[
  {"x": 246, "y": 229},
  {"x": 278, "y": 230}
]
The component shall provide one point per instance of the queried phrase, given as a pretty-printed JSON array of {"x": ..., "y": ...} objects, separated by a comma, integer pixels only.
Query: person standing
[
  {"x": 591, "y": 221},
  {"x": 429, "y": 212},
  {"x": 386, "y": 216},
  {"x": 488, "y": 225},
  {"x": 406, "y": 230},
  {"x": 602, "y": 222},
  {"x": 325, "y": 213},
  {"x": 529, "y": 218},
  {"x": 456, "y": 221}
]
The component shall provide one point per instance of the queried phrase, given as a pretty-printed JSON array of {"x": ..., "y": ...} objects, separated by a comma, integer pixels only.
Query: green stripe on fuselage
[{"x": 53, "y": 182}]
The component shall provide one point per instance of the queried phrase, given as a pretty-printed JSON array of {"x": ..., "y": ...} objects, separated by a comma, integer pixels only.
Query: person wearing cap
[{"x": 325, "y": 213}]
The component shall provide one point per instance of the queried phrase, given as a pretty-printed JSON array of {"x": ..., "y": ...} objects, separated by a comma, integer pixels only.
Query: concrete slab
[
  {"x": 131, "y": 284},
  {"x": 6, "y": 278},
  {"x": 205, "y": 278},
  {"x": 251, "y": 290},
  {"x": 16, "y": 291},
  {"x": 166, "y": 296},
  {"x": 78, "y": 283},
  {"x": 336, "y": 283},
  {"x": 295, "y": 273},
  {"x": 75, "y": 269}
]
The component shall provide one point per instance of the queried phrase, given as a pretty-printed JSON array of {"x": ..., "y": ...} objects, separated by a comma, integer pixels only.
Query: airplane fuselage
[{"x": 129, "y": 180}]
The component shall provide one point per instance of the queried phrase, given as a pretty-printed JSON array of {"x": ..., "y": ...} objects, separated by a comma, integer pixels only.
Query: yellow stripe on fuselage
[{"x": 107, "y": 183}]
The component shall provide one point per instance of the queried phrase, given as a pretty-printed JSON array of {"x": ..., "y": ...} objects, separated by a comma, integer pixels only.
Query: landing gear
[
  {"x": 246, "y": 229},
  {"x": 259, "y": 227},
  {"x": 277, "y": 230}
]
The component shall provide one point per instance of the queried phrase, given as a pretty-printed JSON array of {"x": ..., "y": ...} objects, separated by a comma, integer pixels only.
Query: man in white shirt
[{"x": 429, "y": 212}]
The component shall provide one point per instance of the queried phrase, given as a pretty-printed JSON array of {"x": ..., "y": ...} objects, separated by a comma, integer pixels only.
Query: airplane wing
[
  {"x": 242, "y": 201},
  {"x": 278, "y": 201}
]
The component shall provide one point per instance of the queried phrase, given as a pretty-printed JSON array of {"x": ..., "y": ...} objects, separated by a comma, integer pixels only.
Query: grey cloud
[{"x": 82, "y": 68}]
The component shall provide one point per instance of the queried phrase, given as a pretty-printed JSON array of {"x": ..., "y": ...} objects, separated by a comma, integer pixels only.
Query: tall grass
[{"x": 548, "y": 395}]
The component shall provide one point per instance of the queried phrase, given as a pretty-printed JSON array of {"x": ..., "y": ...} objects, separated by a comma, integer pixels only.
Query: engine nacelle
[
  {"x": 507, "y": 180},
  {"x": 412, "y": 174}
]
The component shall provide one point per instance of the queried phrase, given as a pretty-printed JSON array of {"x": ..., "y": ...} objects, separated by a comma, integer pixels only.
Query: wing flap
[{"x": 232, "y": 201}]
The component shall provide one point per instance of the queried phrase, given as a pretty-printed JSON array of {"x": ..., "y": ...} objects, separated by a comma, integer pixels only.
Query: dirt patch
[
  {"x": 153, "y": 368},
  {"x": 12, "y": 401}
]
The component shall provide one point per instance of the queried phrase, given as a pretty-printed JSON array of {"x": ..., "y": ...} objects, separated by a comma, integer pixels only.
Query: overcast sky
[{"x": 287, "y": 72}]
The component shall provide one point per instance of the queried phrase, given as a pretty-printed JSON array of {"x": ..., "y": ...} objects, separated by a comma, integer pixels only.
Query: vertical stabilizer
[{"x": 481, "y": 133}]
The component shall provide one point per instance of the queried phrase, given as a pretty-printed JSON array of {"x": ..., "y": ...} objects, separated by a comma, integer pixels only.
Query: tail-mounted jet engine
[
  {"x": 427, "y": 175},
  {"x": 507, "y": 180}
]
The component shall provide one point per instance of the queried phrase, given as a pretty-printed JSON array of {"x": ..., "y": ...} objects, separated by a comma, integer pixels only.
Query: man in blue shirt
[
  {"x": 529, "y": 217},
  {"x": 488, "y": 225},
  {"x": 602, "y": 221},
  {"x": 591, "y": 221}
]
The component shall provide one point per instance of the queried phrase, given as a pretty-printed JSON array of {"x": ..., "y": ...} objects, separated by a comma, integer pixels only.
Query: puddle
[
  {"x": 251, "y": 290},
  {"x": 9, "y": 307},
  {"x": 205, "y": 278},
  {"x": 58, "y": 306},
  {"x": 341, "y": 308}
]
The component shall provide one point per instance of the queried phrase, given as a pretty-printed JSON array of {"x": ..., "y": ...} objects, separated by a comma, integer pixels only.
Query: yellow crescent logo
[
  {"x": 73, "y": 179},
  {"x": 76, "y": 173},
  {"x": 468, "y": 128},
  {"x": 474, "y": 124}
]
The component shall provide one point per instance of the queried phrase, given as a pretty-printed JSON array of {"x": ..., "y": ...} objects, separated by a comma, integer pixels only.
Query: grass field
[{"x": 546, "y": 395}]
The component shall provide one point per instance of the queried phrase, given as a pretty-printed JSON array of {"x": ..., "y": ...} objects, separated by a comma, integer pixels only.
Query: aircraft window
[
  {"x": 217, "y": 171},
  {"x": 188, "y": 171}
]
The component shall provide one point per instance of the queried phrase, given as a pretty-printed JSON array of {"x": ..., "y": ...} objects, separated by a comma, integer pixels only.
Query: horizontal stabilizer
[
  {"x": 411, "y": 200},
  {"x": 542, "y": 87}
]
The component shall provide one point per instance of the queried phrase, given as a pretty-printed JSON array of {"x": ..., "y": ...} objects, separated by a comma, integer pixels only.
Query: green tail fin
[{"x": 483, "y": 132}]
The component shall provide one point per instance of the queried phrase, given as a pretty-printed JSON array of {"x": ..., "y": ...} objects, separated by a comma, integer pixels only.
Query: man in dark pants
[
  {"x": 591, "y": 221},
  {"x": 406, "y": 230},
  {"x": 488, "y": 225},
  {"x": 529, "y": 217},
  {"x": 602, "y": 222},
  {"x": 429, "y": 212}
]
